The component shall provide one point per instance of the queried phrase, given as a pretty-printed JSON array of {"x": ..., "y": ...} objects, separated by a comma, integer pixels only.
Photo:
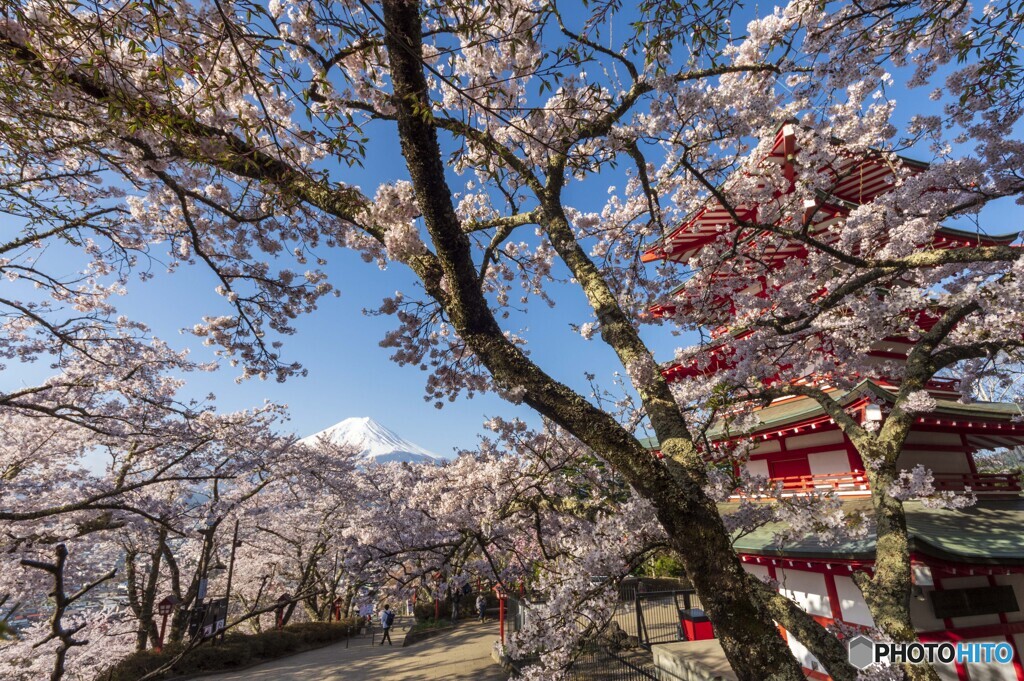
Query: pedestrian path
[{"x": 462, "y": 655}]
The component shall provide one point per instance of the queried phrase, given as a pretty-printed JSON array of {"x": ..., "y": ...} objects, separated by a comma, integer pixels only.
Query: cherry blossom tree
[
  {"x": 220, "y": 131},
  {"x": 527, "y": 511},
  {"x": 294, "y": 538},
  {"x": 108, "y": 463},
  {"x": 869, "y": 276}
]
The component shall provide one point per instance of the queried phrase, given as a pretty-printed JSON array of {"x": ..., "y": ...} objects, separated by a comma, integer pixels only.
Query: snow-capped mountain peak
[{"x": 378, "y": 443}]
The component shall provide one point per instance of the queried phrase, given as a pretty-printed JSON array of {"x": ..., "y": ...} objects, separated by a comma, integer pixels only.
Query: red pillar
[{"x": 163, "y": 628}]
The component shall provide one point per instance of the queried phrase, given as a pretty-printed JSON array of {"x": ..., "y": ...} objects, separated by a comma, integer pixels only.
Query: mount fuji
[{"x": 378, "y": 443}]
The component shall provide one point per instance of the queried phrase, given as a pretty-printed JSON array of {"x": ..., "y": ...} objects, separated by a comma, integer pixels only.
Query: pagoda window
[{"x": 974, "y": 582}]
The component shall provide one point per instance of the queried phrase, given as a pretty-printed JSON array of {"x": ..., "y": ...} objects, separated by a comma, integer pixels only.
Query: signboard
[
  {"x": 208, "y": 618},
  {"x": 216, "y": 617},
  {"x": 984, "y": 600}
]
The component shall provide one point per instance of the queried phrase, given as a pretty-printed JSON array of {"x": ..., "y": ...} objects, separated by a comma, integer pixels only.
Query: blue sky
[{"x": 349, "y": 374}]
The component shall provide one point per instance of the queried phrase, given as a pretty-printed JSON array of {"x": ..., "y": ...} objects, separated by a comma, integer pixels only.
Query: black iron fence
[
  {"x": 622, "y": 652},
  {"x": 598, "y": 663},
  {"x": 656, "y": 616},
  {"x": 601, "y": 664}
]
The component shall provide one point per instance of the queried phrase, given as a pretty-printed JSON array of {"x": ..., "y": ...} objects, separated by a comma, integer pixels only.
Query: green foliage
[
  {"x": 231, "y": 654},
  {"x": 429, "y": 625},
  {"x": 663, "y": 564},
  {"x": 424, "y": 611},
  {"x": 236, "y": 651},
  {"x": 277, "y": 643}
]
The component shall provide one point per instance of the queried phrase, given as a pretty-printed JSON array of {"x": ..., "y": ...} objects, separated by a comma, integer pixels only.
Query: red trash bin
[{"x": 696, "y": 625}]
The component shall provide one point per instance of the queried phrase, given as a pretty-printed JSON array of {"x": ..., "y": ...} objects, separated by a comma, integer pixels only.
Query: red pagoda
[{"x": 968, "y": 564}]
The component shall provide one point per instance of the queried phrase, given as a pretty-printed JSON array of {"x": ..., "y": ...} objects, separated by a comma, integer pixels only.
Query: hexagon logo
[{"x": 862, "y": 651}]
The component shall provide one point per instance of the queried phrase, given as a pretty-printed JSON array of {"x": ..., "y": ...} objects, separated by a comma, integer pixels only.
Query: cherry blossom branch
[
  {"x": 62, "y": 601},
  {"x": 828, "y": 649},
  {"x": 236, "y": 155}
]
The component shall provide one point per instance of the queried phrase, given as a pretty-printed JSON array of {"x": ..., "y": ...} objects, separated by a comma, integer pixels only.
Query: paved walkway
[{"x": 462, "y": 654}]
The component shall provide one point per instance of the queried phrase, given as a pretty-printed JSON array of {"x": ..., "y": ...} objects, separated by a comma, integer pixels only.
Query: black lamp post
[{"x": 231, "y": 571}]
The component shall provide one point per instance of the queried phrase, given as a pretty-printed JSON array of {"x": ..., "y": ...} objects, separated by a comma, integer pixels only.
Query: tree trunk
[
  {"x": 887, "y": 593},
  {"x": 750, "y": 640},
  {"x": 752, "y": 643}
]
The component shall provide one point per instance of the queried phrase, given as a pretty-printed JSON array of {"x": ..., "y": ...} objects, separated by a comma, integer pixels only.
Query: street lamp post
[
  {"x": 231, "y": 571},
  {"x": 282, "y": 602},
  {"x": 165, "y": 608}
]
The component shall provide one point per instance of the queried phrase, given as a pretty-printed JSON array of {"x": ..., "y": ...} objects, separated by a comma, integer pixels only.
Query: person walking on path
[
  {"x": 481, "y": 606},
  {"x": 387, "y": 618}
]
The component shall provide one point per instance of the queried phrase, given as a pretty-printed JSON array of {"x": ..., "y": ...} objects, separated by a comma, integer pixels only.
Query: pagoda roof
[
  {"x": 798, "y": 409},
  {"x": 990, "y": 532},
  {"x": 803, "y": 411},
  {"x": 717, "y": 355},
  {"x": 858, "y": 180}
]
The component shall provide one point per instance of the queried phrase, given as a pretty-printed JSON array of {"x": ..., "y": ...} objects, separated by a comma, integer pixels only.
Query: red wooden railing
[
  {"x": 980, "y": 483},
  {"x": 856, "y": 482},
  {"x": 846, "y": 481}
]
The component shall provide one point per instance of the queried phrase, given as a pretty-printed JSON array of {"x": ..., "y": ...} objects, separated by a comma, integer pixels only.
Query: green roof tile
[{"x": 988, "y": 532}]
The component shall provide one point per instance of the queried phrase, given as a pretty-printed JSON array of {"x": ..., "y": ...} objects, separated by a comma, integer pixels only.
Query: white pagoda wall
[
  {"x": 758, "y": 467},
  {"x": 806, "y": 589},
  {"x": 991, "y": 672},
  {"x": 851, "y": 602},
  {"x": 825, "y": 437},
  {"x": 837, "y": 460},
  {"x": 809, "y": 591},
  {"x": 823, "y": 463}
]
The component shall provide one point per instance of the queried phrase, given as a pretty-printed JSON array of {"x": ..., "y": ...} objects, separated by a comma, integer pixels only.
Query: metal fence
[
  {"x": 598, "y": 663},
  {"x": 601, "y": 664},
  {"x": 642, "y": 618},
  {"x": 516, "y": 614},
  {"x": 654, "y": 616}
]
